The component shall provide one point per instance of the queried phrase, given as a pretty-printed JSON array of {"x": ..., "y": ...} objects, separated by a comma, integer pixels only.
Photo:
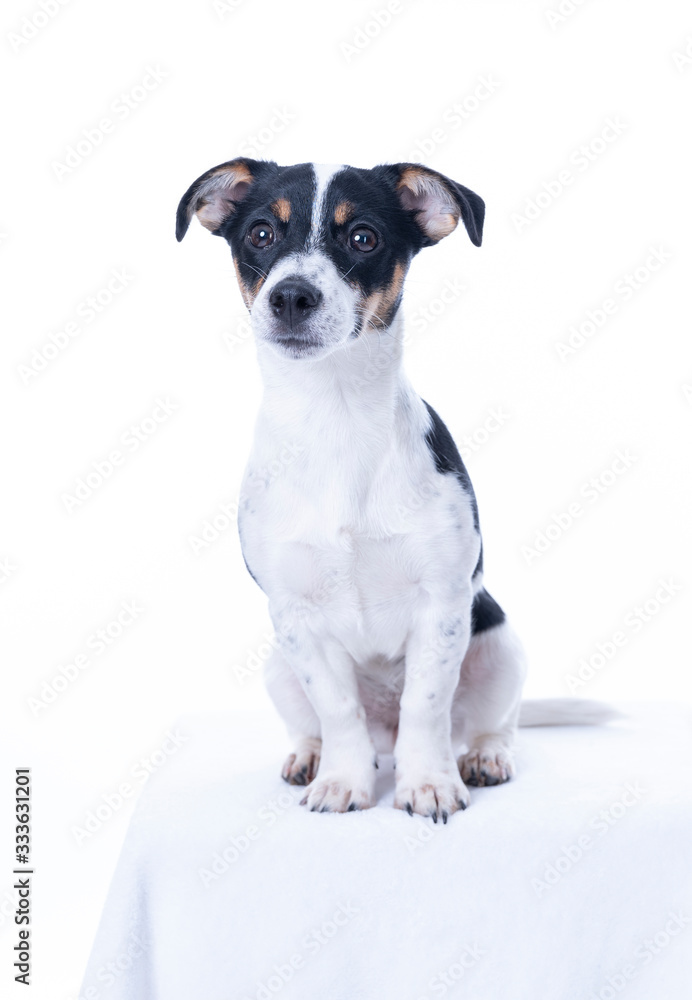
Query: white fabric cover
[{"x": 506, "y": 901}]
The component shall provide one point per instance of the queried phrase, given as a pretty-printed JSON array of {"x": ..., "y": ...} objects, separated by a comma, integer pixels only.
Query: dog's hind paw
[
  {"x": 301, "y": 767},
  {"x": 486, "y": 766}
]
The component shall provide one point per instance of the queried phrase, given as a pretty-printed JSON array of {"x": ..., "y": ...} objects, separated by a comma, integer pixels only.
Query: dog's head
[{"x": 321, "y": 252}]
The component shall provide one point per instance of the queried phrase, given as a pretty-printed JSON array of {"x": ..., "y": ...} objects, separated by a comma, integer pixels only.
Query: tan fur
[
  {"x": 282, "y": 209},
  {"x": 245, "y": 291},
  {"x": 343, "y": 212},
  {"x": 377, "y": 307},
  {"x": 249, "y": 292}
]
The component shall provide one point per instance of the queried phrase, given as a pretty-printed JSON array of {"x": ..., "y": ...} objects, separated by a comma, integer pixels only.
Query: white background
[{"x": 532, "y": 94}]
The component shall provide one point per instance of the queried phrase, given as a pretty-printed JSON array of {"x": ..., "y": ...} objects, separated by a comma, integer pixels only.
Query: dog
[{"x": 367, "y": 541}]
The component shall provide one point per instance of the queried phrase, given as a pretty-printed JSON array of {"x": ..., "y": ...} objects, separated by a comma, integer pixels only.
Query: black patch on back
[
  {"x": 242, "y": 550},
  {"x": 486, "y": 613},
  {"x": 479, "y": 564},
  {"x": 448, "y": 460}
]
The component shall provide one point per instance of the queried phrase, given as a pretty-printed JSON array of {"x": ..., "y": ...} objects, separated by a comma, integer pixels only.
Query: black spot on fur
[
  {"x": 247, "y": 566},
  {"x": 448, "y": 459},
  {"x": 486, "y": 613}
]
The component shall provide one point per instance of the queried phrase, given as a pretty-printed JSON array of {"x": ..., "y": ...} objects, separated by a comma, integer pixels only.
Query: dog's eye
[
  {"x": 364, "y": 239},
  {"x": 261, "y": 235}
]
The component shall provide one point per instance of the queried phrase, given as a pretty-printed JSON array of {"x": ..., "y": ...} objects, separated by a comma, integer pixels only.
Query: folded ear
[
  {"x": 439, "y": 203},
  {"x": 213, "y": 196}
]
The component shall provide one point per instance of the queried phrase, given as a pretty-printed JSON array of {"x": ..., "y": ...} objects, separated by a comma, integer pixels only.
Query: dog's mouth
[{"x": 296, "y": 347}]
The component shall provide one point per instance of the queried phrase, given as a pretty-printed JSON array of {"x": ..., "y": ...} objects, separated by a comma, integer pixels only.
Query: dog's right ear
[
  {"x": 213, "y": 196},
  {"x": 438, "y": 202}
]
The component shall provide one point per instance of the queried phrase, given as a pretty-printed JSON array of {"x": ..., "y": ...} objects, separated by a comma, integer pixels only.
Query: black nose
[{"x": 294, "y": 300}]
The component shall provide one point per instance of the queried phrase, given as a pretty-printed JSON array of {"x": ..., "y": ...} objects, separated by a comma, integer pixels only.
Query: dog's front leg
[
  {"x": 345, "y": 779},
  {"x": 427, "y": 775}
]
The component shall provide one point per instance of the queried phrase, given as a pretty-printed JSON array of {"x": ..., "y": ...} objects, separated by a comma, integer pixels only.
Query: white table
[{"x": 574, "y": 881}]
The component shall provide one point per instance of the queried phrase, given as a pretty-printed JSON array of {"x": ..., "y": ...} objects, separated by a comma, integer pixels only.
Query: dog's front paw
[
  {"x": 486, "y": 766},
  {"x": 335, "y": 792},
  {"x": 437, "y": 794},
  {"x": 301, "y": 767}
]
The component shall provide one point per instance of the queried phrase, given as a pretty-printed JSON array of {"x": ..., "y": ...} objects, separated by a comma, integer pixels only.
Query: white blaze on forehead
[
  {"x": 335, "y": 319},
  {"x": 323, "y": 176}
]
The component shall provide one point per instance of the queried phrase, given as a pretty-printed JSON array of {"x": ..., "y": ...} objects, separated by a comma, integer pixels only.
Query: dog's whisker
[{"x": 257, "y": 270}]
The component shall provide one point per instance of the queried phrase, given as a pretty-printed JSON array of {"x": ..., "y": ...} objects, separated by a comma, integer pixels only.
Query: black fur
[
  {"x": 295, "y": 184},
  {"x": 448, "y": 459},
  {"x": 376, "y": 204},
  {"x": 486, "y": 613}
]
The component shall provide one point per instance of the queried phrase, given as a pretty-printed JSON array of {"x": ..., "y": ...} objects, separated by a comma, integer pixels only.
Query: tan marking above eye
[
  {"x": 343, "y": 212},
  {"x": 282, "y": 209}
]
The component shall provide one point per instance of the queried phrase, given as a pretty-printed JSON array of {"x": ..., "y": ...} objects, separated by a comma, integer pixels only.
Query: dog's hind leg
[
  {"x": 301, "y": 721},
  {"x": 486, "y": 705}
]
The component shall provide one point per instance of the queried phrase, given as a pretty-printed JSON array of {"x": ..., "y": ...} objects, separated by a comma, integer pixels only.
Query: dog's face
[{"x": 321, "y": 252}]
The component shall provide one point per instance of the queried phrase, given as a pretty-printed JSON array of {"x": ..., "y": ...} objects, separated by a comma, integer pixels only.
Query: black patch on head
[
  {"x": 486, "y": 613},
  {"x": 297, "y": 185},
  {"x": 372, "y": 194},
  {"x": 375, "y": 199},
  {"x": 448, "y": 459}
]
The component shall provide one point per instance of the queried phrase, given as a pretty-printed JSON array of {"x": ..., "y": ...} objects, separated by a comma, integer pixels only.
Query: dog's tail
[{"x": 566, "y": 712}]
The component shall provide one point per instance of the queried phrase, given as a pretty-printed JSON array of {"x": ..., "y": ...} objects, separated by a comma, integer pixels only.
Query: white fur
[{"x": 324, "y": 172}]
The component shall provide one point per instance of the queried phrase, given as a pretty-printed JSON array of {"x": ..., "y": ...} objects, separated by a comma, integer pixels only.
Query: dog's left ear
[
  {"x": 439, "y": 203},
  {"x": 213, "y": 197}
]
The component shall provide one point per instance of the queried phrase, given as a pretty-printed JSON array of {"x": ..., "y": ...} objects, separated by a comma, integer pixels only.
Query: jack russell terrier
[{"x": 368, "y": 545}]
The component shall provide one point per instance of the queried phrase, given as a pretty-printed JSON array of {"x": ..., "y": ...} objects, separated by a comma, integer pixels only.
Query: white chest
[{"x": 357, "y": 546}]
